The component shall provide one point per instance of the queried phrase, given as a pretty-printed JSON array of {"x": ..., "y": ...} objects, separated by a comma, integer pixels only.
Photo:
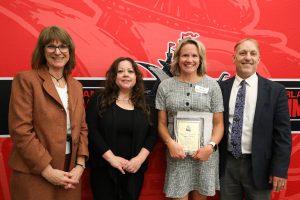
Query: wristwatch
[
  {"x": 214, "y": 145},
  {"x": 81, "y": 165}
]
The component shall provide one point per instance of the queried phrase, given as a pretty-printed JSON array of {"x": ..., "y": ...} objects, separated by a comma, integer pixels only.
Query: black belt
[
  {"x": 242, "y": 156},
  {"x": 69, "y": 137}
]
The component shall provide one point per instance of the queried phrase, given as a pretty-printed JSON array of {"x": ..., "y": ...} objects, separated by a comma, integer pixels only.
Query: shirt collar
[{"x": 250, "y": 81}]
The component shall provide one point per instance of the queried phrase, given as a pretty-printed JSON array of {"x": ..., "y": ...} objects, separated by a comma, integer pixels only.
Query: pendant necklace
[{"x": 57, "y": 79}]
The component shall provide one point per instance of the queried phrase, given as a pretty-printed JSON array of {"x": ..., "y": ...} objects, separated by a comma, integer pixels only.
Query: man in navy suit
[{"x": 255, "y": 154}]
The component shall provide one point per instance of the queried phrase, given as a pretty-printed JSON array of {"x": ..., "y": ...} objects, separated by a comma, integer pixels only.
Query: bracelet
[{"x": 81, "y": 165}]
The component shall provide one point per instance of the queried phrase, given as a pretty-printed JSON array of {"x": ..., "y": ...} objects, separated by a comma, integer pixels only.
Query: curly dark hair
[{"x": 111, "y": 90}]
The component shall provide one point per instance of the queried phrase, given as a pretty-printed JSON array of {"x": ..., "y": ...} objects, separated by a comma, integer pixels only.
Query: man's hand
[{"x": 278, "y": 183}]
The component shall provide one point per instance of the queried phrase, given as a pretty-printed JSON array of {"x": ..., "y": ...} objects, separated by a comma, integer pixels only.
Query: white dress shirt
[
  {"x": 249, "y": 110},
  {"x": 63, "y": 94}
]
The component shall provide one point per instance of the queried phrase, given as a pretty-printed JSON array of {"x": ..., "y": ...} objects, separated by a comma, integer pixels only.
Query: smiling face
[
  {"x": 246, "y": 58},
  {"x": 126, "y": 77},
  {"x": 189, "y": 60},
  {"x": 56, "y": 59}
]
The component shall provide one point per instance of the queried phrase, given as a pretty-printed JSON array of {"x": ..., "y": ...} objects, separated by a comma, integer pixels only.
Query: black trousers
[{"x": 110, "y": 184}]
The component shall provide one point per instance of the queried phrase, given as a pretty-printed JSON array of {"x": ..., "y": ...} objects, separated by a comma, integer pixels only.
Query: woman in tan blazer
[{"x": 47, "y": 123}]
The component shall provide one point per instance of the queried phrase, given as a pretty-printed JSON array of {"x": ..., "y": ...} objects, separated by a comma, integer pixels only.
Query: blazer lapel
[
  {"x": 226, "y": 97},
  {"x": 262, "y": 97},
  {"x": 227, "y": 90},
  {"x": 49, "y": 86},
  {"x": 72, "y": 97}
]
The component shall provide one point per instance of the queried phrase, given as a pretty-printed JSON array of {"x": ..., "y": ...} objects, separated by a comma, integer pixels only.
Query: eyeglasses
[{"x": 63, "y": 48}]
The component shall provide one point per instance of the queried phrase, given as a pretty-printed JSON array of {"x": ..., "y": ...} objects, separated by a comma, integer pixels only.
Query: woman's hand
[
  {"x": 175, "y": 149},
  {"x": 76, "y": 174},
  {"x": 118, "y": 163},
  {"x": 134, "y": 164},
  {"x": 203, "y": 153},
  {"x": 59, "y": 177},
  {"x": 115, "y": 161}
]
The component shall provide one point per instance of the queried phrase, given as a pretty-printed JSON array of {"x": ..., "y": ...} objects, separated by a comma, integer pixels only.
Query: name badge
[{"x": 200, "y": 89}]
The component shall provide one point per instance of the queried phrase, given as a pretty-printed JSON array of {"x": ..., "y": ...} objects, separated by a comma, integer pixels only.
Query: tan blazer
[{"x": 37, "y": 123}]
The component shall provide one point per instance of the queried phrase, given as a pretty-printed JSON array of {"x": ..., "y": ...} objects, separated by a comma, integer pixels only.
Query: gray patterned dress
[{"x": 183, "y": 176}]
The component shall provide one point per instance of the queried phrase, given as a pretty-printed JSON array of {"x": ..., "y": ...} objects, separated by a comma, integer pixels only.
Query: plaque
[{"x": 193, "y": 130}]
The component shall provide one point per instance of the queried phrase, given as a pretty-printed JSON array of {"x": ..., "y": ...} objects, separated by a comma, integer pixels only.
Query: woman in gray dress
[{"x": 195, "y": 175}]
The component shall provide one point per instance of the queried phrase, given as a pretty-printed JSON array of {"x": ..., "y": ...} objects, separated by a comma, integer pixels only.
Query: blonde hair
[{"x": 201, "y": 70}]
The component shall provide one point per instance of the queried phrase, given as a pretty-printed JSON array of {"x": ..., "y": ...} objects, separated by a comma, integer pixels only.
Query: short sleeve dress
[{"x": 183, "y": 176}]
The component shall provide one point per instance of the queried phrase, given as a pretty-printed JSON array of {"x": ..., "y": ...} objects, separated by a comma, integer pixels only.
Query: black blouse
[{"x": 124, "y": 129}]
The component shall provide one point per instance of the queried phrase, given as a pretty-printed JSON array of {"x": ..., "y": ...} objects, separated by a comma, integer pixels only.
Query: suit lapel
[
  {"x": 262, "y": 97},
  {"x": 227, "y": 90},
  {"x": 226, "y": 97}
]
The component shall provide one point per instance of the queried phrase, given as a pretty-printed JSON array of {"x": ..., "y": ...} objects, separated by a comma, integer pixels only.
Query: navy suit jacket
[{"x": 271, "y": 137}]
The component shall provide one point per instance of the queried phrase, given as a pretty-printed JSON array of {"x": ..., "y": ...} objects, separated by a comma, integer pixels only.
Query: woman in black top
[{"x": 121, "y": 134}]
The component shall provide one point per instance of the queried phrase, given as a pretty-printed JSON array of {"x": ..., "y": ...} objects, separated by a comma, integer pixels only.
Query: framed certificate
[{"x": 192, "y": 130}]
